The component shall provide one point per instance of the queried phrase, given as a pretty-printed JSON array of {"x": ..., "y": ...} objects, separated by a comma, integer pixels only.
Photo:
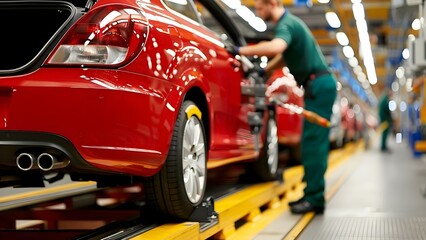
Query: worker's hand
[
  {"x": 257, "y": 69},
  {"x": 232, "y": 49}
]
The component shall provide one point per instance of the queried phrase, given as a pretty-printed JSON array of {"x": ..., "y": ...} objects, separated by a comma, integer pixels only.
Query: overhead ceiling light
[
  {"x": 361, "y": 77},
  {"x": 348, "y": 51},
  {"x": 395, "y": 86},
  {"x": 180, "y": 2},
  {"x": 408, "y": 85},
  {"x": 364, "y": 39},
  {"x": 258, "y": 24},
  {"x": 415, "y": 25},
  {"x": 332, "y": 19},
  {"x": 358, "y": 10},
  {"x": 353, "y": 61},
  {"x": 406, "y": 53},
  {"x": 255, "y": 22},
  {"x": 233, "y": 4},
  {"x": 323, "y": 1},
  {"x": 392, "y": 105},
  {"x": 371, "y": 73},
  {"x": 373, "y": 80},
  {"x": 245, "y": 13},
  {"x": 342, "y": 38},
  {"x": 362, "y": 27},
  {"x": 365, "y": 85},
  {"x": 400, "y": 72},
  {"x": 357, "y": 70},
  {"x": 361, "y": 74}
]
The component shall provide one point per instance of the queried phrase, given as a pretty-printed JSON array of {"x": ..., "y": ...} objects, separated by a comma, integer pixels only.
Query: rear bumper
[
  {"x": 106, "y": 120},
  {"x": 12, "y": 143}
]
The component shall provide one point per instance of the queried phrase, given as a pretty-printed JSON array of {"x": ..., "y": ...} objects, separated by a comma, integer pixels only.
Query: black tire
[
  {"x": 266, "y": 167},
  {"x": 346, "y": 138},
  {"x": 295, "y": 154},
  {"x": 170, "y": 190},
  {"x": 337, "y": 144}
]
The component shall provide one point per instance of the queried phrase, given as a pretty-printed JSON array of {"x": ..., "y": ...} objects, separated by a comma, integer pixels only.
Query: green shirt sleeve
[{"x": 283, "y": 31}]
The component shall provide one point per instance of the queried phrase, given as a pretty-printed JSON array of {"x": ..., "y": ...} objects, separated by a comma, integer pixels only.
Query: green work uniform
[
  {"x": 307, "y": 63},
  {"x": 385, "y": 118}
]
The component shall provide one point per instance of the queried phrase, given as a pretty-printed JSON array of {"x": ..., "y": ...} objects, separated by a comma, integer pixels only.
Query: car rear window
[{"x": 210, "y": 21}]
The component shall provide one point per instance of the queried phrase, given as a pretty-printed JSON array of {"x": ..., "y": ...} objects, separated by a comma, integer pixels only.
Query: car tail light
[{"x": 105, "y": 36}]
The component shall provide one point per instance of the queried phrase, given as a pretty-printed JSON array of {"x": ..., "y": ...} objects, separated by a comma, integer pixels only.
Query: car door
[{"x": 230, "y": 130}]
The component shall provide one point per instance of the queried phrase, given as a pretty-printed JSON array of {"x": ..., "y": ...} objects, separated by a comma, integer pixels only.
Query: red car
[
  {"x": 348, "y": 121},
  {"x": 121, "y": 90},
  {"x": 289, "y": 122}
]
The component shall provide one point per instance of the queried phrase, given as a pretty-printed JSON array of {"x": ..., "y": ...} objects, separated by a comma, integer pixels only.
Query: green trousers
[
  {"x": 385, "y": 134},
  {"x": 315, "y": 140}
]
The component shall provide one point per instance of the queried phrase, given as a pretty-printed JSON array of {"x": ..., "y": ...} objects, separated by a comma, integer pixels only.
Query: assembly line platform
[{"x": 370, "y": 195}]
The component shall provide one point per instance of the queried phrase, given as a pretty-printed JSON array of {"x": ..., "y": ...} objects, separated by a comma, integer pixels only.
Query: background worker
[
  {"x": 294, "y": 46},
  {"x": 385, "y": 116}
]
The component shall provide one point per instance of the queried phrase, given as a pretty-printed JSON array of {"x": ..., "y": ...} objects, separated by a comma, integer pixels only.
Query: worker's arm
[
  {"x": 268, "y": 48},
  {"x": 274, "y": 63}
]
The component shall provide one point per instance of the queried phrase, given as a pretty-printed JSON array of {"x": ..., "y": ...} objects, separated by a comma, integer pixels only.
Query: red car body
[
  {"x": 348, "y": 122},
  {"x": 289, "y": 123},
  {"x": 117, "y": 117}
]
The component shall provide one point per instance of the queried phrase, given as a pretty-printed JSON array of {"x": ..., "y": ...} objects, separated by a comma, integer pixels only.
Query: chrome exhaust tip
[
  {"x": 25, "y": 161},
  {"x": 47, "y": 162}
]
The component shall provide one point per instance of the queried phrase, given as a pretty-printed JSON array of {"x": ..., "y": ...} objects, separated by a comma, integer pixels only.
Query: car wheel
[
  {"x": 180, "y": 185},
  {"x": 339, "y": 142},
  {"x": 266, "y": 167},
  {"x": 295, "y": 154}
]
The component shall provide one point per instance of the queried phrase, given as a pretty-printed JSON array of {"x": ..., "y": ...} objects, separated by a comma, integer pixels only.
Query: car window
[
  {"x": 184, "y": 7},
  {"x": 250, "y": 33},
  {"x": 211, "y": 22}
]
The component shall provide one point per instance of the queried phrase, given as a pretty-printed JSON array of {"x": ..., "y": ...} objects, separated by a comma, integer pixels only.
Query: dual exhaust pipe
[{"x": 45, "y": 162}]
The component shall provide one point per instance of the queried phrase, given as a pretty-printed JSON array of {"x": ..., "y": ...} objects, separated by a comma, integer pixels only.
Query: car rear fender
[
  {"x": 190, "y": 85},
  {"x": 186, "y": 72}
]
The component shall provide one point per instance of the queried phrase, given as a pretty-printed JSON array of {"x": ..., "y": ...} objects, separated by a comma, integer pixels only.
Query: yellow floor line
[{"x": 300, "y": 226}]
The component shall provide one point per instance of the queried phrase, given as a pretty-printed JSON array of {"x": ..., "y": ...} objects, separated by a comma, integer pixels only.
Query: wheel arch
[{"x": 197, "y": 96}]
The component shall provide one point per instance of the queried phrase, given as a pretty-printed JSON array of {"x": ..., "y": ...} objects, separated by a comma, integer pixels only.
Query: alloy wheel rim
[{"x": 194, "y": 160}]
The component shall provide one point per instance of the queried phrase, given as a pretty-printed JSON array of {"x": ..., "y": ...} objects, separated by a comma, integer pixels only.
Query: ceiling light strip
[{"x": 364, "y": 39}]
